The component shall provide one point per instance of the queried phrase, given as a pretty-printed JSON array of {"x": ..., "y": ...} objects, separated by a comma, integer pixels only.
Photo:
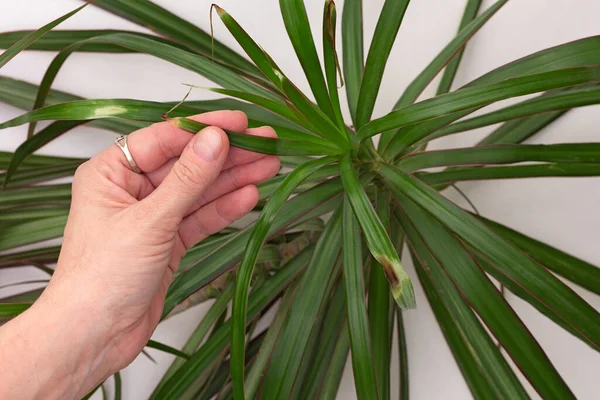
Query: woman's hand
[{"x": 124, "y": 239}]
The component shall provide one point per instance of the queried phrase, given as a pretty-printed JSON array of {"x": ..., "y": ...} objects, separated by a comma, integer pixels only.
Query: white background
[{"x": 561, "y": 212}]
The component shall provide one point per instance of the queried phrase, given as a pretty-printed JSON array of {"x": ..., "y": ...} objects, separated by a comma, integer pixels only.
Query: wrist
[{"x": 54, "y": 352}]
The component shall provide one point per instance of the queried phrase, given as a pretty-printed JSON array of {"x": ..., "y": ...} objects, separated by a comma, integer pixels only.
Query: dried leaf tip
[
  {"x": 219, "y": 10},
  {"x": 400, "y": 283}
]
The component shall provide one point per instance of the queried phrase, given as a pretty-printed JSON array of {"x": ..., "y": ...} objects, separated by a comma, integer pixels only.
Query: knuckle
[{"x": 189, "y": 175}]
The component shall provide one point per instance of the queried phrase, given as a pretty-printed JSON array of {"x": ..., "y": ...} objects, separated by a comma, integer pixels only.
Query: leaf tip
[{"x": 400, "y": 284}]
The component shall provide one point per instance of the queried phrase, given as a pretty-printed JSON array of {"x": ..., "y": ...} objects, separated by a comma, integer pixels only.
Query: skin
[{"x": 124, "y": 239}]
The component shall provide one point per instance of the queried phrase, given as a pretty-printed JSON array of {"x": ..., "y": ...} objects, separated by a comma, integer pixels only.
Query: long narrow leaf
[
  {"x": 150, "y": 15},
  {"x": 585, "y": 153},
  {"x": 311, "y": 296},
  {"x": 358, "y": 323},
  {"x": 551, "y": 102},
  {"x": 447, "y": 264},
  {"x": 353, "y": 51},
  {"x": 509, "y": 172},
  {"x": 57, "y": 40},
  {"x": 417, "y": 86},
  {"x": 377, "y": 239},
  {"x": 331, "y": 61},
  {"x": 36, "y": 142},
  {"x": 480, "y": 95},
  {"x": 573, "y": 54},
  {"x": 314, "y": 202},
  {"x": 577, "y": 271},
  {"x": 298, "y": 29},
  {"x": 470, "y": 13},
  {"x": 536, "y": 279},
  {"x": 386, "y": 30},
  {"x": 28, "y": 40},
  {"x": 177, "y": 385},
  {"x": 381, "y": 312},
  {"x": 255, "y": 241}
]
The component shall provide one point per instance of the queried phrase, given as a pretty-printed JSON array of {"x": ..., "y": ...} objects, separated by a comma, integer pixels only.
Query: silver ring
[{"x": 121, "y": 142}]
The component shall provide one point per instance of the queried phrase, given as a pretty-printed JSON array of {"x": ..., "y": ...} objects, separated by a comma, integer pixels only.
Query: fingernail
[{"x": 208, "y": 144}]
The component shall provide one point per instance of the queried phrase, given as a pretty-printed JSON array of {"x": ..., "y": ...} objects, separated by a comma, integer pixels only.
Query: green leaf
[
  {"x": 321, "y": 357},
  {"x": 201, "y": 331},
  {"x": 10, "y": 310},
  {"x": 316, "y": 201},
  {"x": 177, "y": 385},
  {"x": 508, "y": 172},
  {"x": 452, "y": 49},
  {"x": 27, "y": 197},
  {"x": 43, "y": 256},
  {"x": 196, "y": 63},
  {"x": 537, "y": 280},
  {"x": 325, "y": 127},
  {"x": 586, "y": 153},
  {"x": 167, "y": 349},
  {"x": 242, "y": 283},
  {"x": 276, "y": 107},
  {"x": 312, "y": 293},
  {"x": 36, "y": 142},
  {"x": 315, "y": 119},
  {"x": 261, "y": 361},
  {"x": 358, "y": 323},
  {"x": 398, "y": 239},
  {"x": 17, "y": 215},
  {"x": 557, "y": 101},
  {"x": 383, "y": 39},
  {"x": 22, "y": 95},
  {"x": 331, "y": 61},
  {"x": 151, "y": 111},
  {"x": 462, "y": 285},
  {"x": 470, "y": 13},
  {"x": 118, "y": 388},
  {"x": 516, "y": 288},
  {"x": 285, "y": 147},
  {"x": 152, "y": 16},
  {"x": 27, "y": 176},
  {"x": 32, "y": 232},
  {"x": 402, "y": 356},
  {"x": 331, "y": 382},
  {"x": 377, "y": 239},
  {"x": 464, "y": 353},
  {"x": 298, "y": 29},
  {"x": 28, "y": 40},
  {"x": 34, "y": 161},
  {"x": 577, "y": 271},
  {"x": 573, "y": 54},
  {"x": 518, "y": 130},
  {"x": 381, "y": 313},
  {"x": 352, "y": 51},
  {"x": 480, "y": 95},
  {"x": 57, "y": 40}
]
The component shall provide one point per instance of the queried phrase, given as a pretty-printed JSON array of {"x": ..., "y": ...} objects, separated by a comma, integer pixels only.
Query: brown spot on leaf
[{"x": 389, "y": 272}]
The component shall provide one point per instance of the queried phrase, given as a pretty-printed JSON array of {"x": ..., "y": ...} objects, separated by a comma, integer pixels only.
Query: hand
[{"x": 126, "y": 235}]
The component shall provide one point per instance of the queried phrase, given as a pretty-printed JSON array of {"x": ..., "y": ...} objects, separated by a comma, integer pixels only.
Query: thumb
[{"x": 198, "y": 166}]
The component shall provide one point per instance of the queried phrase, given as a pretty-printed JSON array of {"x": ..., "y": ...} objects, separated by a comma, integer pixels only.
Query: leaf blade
[
  {"x": 358, "y": 323},
  {"x": 377, "y": 239}
]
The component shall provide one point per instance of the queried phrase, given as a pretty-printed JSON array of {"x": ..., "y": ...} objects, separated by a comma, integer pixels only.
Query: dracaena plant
[{"x": 332, "y": 225}]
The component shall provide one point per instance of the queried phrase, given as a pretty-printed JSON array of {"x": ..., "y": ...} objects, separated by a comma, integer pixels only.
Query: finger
[
  {"x": 231, "y": 179},
  {"x": 217, "y": 215},
  {"x": 236, "y": 156},
  {"x": 156, "y": 144},
  {"x": 240, "y": 156},
  {"x": 198, "y": 166}
]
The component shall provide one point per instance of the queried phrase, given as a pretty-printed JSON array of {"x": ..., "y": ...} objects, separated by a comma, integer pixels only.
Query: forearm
[{"x": 44, "y": 353}]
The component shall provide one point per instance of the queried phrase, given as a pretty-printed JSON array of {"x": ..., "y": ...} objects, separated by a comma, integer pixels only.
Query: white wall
[{"x": 561, "y": 212}]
